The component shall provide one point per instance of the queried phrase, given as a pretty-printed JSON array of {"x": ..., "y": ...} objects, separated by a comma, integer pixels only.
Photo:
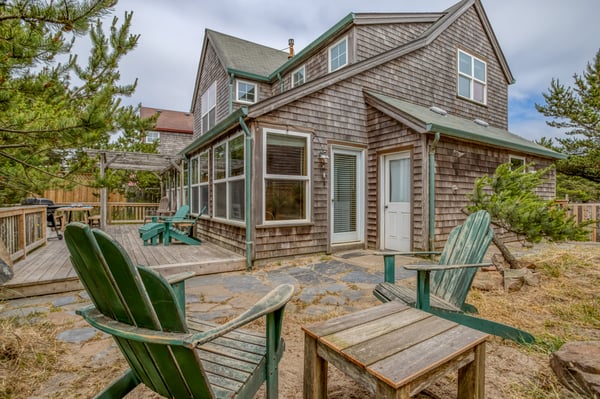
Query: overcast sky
[{"x": 541, "y": 39}]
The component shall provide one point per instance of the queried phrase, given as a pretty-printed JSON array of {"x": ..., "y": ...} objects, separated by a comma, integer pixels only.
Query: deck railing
[{"x": 22, "y": 229}]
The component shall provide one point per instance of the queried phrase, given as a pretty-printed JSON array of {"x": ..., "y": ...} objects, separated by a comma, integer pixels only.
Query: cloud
[{"x": 541, "y": 39}]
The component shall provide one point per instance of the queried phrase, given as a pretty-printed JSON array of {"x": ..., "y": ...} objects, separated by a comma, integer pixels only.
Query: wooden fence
[
  {"x": 585, "y": 213},
  {"x": 22, "y": 229}
]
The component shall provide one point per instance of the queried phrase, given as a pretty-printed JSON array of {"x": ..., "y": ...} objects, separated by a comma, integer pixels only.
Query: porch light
[{"x": 324, "y": 158}]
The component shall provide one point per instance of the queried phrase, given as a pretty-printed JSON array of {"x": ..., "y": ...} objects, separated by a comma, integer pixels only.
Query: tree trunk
[{"x": 508, "y": 257}]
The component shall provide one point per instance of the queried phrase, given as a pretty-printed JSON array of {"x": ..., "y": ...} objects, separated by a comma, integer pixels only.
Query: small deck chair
[
  {"x": 163, "y": 210},
  {"x": 176, "y": 358},
  {"x": 442, "y": 288}
]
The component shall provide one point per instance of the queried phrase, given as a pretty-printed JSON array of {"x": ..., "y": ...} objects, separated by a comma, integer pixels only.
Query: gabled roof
[
  {"x": 244, "y": 56},
  {"x": 424, "y": 120},
  {"x": 170, "y": 121},
  {"x": 441, "y": 21}
]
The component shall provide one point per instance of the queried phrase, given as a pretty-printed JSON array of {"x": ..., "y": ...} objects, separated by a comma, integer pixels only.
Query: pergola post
[{"x": 103, "y": 192}]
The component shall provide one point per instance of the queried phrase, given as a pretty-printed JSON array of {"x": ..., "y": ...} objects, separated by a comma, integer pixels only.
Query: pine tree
[
  {"x": 577, "y": 110},
  {"x": 51, "y": 106},
  {"x": 511, "y": 199}
]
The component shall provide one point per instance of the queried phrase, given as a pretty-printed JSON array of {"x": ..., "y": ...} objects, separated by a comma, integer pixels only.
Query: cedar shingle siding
[{"x": 335, "y": 113}]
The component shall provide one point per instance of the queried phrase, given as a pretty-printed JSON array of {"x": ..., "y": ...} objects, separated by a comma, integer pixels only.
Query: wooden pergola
[{"x": 129, "y": 161}]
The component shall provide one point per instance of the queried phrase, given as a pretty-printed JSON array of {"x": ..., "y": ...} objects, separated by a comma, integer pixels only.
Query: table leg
[
  {"x": 315, "y": 371},
  {"x": 471, "y": 378}
]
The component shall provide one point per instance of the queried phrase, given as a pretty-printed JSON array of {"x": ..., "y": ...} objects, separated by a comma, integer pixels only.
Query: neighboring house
[
  {"x": 173, "y": 129},
  {"x": 370, "y": 137}
]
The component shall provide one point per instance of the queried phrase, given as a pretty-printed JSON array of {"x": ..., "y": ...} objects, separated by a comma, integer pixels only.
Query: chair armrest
[
  {"x": 179, "y": 277},
  {"x": 418, "y": 253},
  {"x": 270, "y": 303},
  {"x": 432, "y": 267}
]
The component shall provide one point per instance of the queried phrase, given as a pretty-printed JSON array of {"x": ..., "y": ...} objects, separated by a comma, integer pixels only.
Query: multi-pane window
[
  {"x": 203, "y": 180},
  {"x": 246, "y": 92},
  {"x": 195, "y": 189},
  {"x": 338, "y": 55},
  {"x": 152, "y": 136},
  {"x": 286, "y": 178},
  {"x": 298, "y": 76},
  {"x": 229, "y": 179},
  {"x": 199, "y": 181},
  {"x": 209, "y": 106},
  {"x": 472, "y": 77}
]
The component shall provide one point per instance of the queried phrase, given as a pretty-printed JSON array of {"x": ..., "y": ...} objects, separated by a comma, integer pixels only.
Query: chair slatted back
[
  {"x": 181, "y": 213},
  {"x": 467, "y": 244},
  {"x": 139, "y": 297}
]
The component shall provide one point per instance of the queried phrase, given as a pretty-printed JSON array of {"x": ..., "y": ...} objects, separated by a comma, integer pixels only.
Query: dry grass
[
  {"x": 565, "y": 306},
  {"x": 28, "y": 352}
]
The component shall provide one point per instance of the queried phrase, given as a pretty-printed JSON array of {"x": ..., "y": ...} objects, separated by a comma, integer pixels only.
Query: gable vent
[
  {"x": 481, "y": 122},
  {"x": 438, "y": 111}
]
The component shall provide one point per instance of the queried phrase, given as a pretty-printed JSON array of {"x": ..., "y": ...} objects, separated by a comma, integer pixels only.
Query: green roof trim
[
  {"x": 302, "y": 55},
  {"x": 460, "y": 128},
  {"x": 248, "y": 75},
  {"x": 226, "y": 124}
]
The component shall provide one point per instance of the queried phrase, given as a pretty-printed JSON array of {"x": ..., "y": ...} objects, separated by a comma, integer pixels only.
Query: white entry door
[
  {"x": 347, "y": 193},
  {"x": 396, "y": 202}
]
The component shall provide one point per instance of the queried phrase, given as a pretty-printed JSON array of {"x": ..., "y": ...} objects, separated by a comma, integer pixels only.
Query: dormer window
[
  {"x": 472, "y": 77},
  {"x": 298, "y": 76},
  {"x": 338, "y": 55},
  {"x": 246, "y": 92}
]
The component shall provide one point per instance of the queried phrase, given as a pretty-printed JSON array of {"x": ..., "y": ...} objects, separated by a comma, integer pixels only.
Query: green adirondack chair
[
  {"x": 442, "y": 288},
  {"x": 176, "y": 358},
  {"x": 182, "y": 229}
]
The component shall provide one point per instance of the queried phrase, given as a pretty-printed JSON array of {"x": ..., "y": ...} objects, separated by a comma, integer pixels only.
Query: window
[
  {"x": 515, "y": 161},
  {"x": 151, "y": 137},
  {"x": 229, "y": 180},
  {"x": 199, "y": 170},
  {"x": 208, "y": 111},
  {"x": 298, "y": 76},
  {"x": 472, "y": 78},
  {"x": 246, "y": 92},
  {"x": 338, "y": 55},
  {"x": 286, "y": 177}
]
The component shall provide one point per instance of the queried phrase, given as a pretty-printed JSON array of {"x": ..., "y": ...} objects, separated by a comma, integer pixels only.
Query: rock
[
  {"x": 515, "y": 279},
  {"x": 488, "y": 281},
  {"x": 577, "y": 366},
  {"x": 6, "y": 272}
]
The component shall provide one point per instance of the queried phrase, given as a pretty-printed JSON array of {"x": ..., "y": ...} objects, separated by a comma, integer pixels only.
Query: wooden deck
[{"x": 48, "y": 270}]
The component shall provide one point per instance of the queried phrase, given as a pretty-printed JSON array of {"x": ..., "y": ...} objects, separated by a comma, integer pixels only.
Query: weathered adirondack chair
[
  {"x": 146, "y": 317},
  {"x": 182, "y": 229},
  {"x": 443, "y": 288},
  {"x": 163, "y": 210}
]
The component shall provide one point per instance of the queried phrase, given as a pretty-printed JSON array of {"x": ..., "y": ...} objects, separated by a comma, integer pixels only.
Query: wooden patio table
[{"x": 394, "y": 350}]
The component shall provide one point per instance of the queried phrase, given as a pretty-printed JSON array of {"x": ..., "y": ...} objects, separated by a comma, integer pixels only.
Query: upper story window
[
  {"x": 338, "y": 55},
  {"x": 209, "y": 106},
  {"x": 151, "y": 137},
  {"x": 472, "y": 77},
  {"x": 298, "y": 76},
  {"x": 246, "y": 92}
]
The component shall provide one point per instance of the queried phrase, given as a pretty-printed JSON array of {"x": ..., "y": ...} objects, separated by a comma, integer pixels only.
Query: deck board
[{"x": 48, "y": 269}]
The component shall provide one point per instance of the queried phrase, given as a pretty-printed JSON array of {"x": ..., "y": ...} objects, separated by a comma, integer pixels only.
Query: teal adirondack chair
[
  {"x": 176, "y": 358},
  {"x": 442, "y": 288},
  {"x": 181, "y": 229}
]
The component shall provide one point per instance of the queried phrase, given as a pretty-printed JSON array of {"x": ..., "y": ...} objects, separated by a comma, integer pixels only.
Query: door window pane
[{"x": 399, "y": 180}]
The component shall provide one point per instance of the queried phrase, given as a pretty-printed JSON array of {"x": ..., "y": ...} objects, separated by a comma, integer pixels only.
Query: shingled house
[
  {"x": 173, "y": 129},
  {"x": 369, "y": 137}
]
